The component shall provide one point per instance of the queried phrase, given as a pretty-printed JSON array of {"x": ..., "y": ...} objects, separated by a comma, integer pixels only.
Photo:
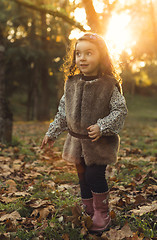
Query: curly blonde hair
[{"x": 106, "y": 67}]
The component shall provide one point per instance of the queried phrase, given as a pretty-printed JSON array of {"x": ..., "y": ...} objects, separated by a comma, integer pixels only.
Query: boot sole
[{"x": 101, "y": 230}]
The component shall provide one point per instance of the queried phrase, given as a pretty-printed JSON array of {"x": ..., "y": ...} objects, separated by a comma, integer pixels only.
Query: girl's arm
[
  {"x": 114, "y": 122},
  {"x": 59, "y": 124}
]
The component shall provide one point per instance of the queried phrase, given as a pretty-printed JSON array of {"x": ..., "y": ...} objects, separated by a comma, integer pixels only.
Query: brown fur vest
[{"x": 85, "y": 103}]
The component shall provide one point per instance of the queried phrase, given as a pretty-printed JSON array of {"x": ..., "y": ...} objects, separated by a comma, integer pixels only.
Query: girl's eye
[
  {"x": 89, "y": 53},
  {"x": 78, "y": 54}
]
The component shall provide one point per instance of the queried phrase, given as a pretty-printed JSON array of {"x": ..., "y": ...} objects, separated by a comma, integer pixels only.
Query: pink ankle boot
[
  {"x": 101, "y": 218},
  {"x": 88, "y": 205}
]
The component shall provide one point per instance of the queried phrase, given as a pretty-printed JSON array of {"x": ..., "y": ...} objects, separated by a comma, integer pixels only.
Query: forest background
[{"x": 34, "y": 36}]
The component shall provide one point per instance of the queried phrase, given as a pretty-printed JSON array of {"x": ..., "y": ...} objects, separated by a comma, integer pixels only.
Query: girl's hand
[
  {"x": 47, "y": 140},
  {"x": 94, "y": 132}
]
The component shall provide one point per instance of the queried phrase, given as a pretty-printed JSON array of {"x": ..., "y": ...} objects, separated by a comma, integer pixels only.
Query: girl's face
[{"x": 87, "y": 58}]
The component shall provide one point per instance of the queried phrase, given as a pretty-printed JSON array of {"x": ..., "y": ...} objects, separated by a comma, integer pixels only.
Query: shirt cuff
[
  {"x": 105, "y": 131},
  {"x": 100, "y": 128}
]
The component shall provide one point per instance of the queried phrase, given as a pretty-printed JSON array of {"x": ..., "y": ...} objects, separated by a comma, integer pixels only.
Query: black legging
[{"x": 91, "y": 178}]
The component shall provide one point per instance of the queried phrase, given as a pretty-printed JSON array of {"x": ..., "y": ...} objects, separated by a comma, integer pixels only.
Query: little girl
[{"x": 93, "y": 110}]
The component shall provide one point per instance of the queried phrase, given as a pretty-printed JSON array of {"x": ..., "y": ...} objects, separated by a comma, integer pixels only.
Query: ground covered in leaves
[{"x": 40, "y": 197}]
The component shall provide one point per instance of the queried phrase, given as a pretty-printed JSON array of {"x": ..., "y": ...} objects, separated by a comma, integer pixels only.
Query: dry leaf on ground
[
  {"x": 145, "y": 209},
  {"x": 14, "y": 216},
  {"x": 114, "y": 234}
]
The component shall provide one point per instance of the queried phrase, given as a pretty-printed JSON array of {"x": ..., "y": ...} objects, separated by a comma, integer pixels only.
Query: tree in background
[
  {"x": 98, "y": 22},
  {"x": 5, "y": 114},
  {"x": 38, "y": 35}
]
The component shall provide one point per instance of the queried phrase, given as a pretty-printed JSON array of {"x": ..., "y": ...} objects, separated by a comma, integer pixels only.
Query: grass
[
  {"x": 142, "y": 108},
  {"x": 66, "y": 178},
  {"x": 140, "y": 129}
]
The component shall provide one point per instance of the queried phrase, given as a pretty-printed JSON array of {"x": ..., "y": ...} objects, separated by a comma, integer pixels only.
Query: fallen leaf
[
  {"x": 133, "y": 151},
  {"x": 12, "y": 185},
  {"x": 12, "y": 216},
  {"x": 128, "y": 200},
  {"x": 145, "y": 209},
  {"x": 111, "y": 234},
  {"x": 38, "y": 203},
  {"x": 65, "y": 236},
  {"x": 76, "y": 210},
  {"x": 114, "y": 199},
  {"x": 114, "y": 179},
  {"x": 87, "y": 221},
  {"x": 139, "y": 200},
  {"x": 112, "y": 214},
  {"x": 45, "y": 212},
  {"x": 16, "y": 150},
  {"x": 121, "y": 203},
  {"x": 60, "y": 219},
  {"x": 8, "y": 199},
  {"x": 62, "y": 187},
  {"x": 76, "y": 215},
  {"x": 138, "y": 177},
  {"x": 114, "y": 234},
  {"x": 136, "y": 237},
  {"x": 4, "y": 236},
  {"x": 32, "y": 175},
  {"x": 10, "y": 226},
  {"x": 126, "y": 231},
  {"x": 35, "y": 213},
  {"x": 42, "y": 213},
  {"x": 151, "y": 189},
  {"x": 21, "y": 194}
]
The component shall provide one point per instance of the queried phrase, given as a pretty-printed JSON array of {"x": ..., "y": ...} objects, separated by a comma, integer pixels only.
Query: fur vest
[{"x": 85, "y": 103}]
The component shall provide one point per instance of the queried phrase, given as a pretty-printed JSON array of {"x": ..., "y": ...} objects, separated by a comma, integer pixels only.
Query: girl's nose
[{"x": 83, "y": 57}]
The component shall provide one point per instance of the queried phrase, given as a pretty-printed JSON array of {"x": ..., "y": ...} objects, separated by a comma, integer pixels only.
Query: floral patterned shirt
[{"x": 109, "y": 125}]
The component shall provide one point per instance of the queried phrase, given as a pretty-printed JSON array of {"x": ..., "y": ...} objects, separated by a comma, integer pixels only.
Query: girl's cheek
[{"x": 77, "y": 60}]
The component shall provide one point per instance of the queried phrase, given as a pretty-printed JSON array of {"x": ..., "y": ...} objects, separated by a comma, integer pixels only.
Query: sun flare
[{"x": 118, "y": 36}]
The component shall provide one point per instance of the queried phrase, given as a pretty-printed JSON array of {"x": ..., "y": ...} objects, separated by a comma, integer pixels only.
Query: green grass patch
[
  {"x": 140, "y": 129},
  {"x": 19, "y": 205},
  {"x": 25, "y": 234},
  {"x": 66, "y": 177},
  {"x": 142, "y": 107},
  {"x": 2, "y": 228}
]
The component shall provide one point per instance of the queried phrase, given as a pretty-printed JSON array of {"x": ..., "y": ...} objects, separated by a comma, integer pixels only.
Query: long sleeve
[
  {"x": 59, "y": 124},
  {"x": 114, "y": 122}
]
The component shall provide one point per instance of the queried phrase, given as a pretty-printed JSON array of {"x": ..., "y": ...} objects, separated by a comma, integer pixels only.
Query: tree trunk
[
  {"x": 5, "y": 114},
  {"x": 98, "y": 24},
  {"x": 33, "y": 94},
  {"x": 34, "y": 79},
  {"x": 44, "y": 111},
  {"x": 92, "y": 16}
]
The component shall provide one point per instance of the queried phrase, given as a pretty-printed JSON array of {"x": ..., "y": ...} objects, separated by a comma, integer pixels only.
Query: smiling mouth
[{"x": 83, "y": 65}]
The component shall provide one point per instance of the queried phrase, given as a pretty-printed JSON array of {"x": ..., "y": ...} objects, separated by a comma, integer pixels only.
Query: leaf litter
[{"x": 39, "y": 193}]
